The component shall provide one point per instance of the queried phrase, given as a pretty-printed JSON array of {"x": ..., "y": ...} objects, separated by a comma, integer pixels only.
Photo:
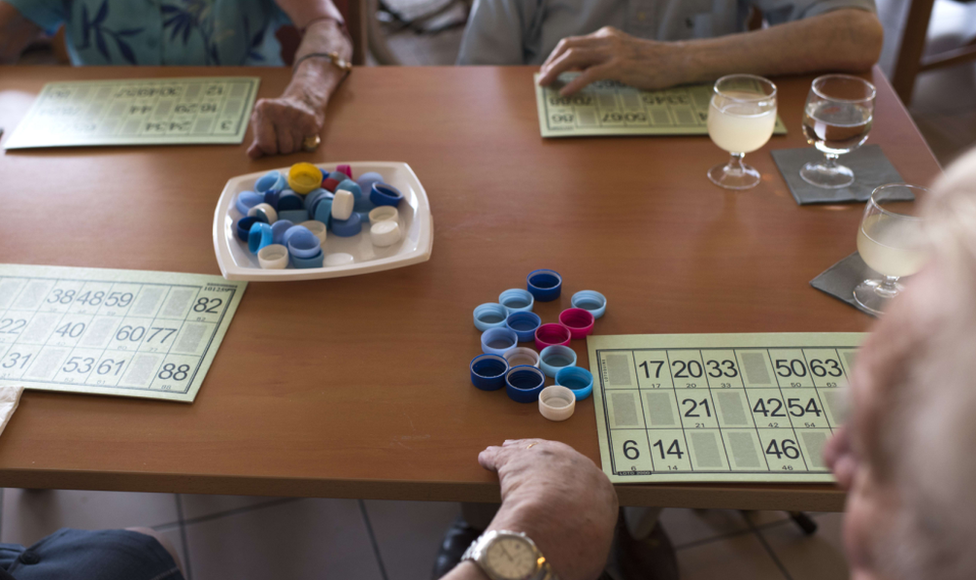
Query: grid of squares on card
[
  {"x": 122, "y": 335},
  {"x": 748, "y": 410}
]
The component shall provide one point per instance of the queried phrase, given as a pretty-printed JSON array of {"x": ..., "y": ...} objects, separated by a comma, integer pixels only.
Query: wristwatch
[{"x": 505, "y": 555}]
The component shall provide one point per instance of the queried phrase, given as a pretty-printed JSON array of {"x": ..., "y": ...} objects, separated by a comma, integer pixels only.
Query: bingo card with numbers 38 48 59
[
  {"x": 128, "y": 333},
  {"x": 719, "y": 407},
  {"x": 176, "y": 111}
]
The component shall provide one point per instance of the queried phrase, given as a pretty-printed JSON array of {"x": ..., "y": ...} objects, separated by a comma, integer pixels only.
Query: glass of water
[
  {"x": 836, "y": 120},
  {"x": 741, "y": 118},
  {"x": 892, "y": 241}
]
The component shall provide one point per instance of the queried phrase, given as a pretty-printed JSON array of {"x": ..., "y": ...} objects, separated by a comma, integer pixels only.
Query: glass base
[
  {"x": 734, "y": 176},
  {"x": 873, "y": 297},
  {"x": 833, "y": 176}
]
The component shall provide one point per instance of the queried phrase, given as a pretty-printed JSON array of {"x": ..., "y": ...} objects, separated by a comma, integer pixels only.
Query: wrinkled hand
[
  {"x": 840, "y": 458},
  {"x": 280, "y": 125},
  {"x": 560, "y": 499},
  {"x": 611, "y": 54}
]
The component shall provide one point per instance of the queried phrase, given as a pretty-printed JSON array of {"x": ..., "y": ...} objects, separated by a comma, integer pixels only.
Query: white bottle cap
[
  {"x": 343, "y": 204},
  {"x": 557, "y": 403},
  {"x": 383, "y": 213},
  {"x": 317, "y": 228},
  {"x": 385, "y": 233},
  {"x": 273, "y": 257}
]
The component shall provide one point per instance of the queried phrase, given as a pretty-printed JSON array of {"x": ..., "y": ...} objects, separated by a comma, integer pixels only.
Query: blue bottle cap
[
  {"x": 289, "y": 200},
  {"x": 293, "y": 231},
  {"x": 347, "y": 228},
  {"x": 278, "y": 230},
  {"x": 545, "y": 285},
  {"x": 498, "y": 340},
  {"x": 488, "y": 371},
  {"x": 293, "y": 215},
  {"x": 552, "y": 358},
  {"x": 524, "y": 324},
  {"x": 313, "y": 196},
  {"x": 243, "y": 227},
  {"x": 246, "y": 200},
  {"x": 592, "y": 301},
  {"x": 524, "y": 383},
  {"x": 576, "y": 379},
  {"x": 382, "y": 194},
  {"x": 313, "y": 262},
  {"x": 338, "y": 176},
  {"x": 271, "y": 198},
  {"x": 322, "y": 211},
  {"x": 489, "y": 315},
  {"x": 325, "y": 174},
  {"x": 352, "y": 187},
  {"x": 516, "y": 300},
  {"x": 304, "y": 244},
  {"x": 270, "y": 181},
  {"x": 259, "y": 237}
]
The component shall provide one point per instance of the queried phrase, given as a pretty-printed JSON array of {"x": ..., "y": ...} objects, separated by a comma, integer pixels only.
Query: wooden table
[{"x": 358, "y": 387}]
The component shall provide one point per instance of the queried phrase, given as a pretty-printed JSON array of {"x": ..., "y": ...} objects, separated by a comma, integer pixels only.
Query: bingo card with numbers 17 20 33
[
  {"x": 127, "y": 333},
  {"x": 719, "y": 407}
]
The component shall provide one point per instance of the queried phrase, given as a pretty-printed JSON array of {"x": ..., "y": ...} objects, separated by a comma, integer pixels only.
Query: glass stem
[
  {"x": 831, "y": 162},
  {"x": 888, "y": 287},
  {"x": 735, "y": 164}
]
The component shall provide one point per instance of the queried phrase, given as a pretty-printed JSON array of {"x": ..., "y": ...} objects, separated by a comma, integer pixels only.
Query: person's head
[{"x": 908, "y": 454}]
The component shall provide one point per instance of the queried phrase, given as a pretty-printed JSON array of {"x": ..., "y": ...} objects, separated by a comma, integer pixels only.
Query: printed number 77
[{"x": 647, "y": 368}]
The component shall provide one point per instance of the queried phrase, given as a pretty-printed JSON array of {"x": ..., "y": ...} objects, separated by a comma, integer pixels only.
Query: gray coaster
[
  {"x": 871, "y": 169},
  {"x": 842, "y": 278}
]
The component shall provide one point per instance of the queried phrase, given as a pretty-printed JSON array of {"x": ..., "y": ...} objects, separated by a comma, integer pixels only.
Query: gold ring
[
  {"x": 311, "y": 143},
  {"x": 532, "y": 444}
]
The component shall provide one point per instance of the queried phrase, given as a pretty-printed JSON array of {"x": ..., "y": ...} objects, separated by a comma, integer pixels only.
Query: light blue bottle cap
[
  {"x": 313, "y": 262},
  {"x": 313, "y": 196},
  {"x": 576, "y": 379},
  {"x": 293, "y": 231},
  {"x": 367, "y": 180},
  {"x": 304, "y": 244},
  {"x": 590, "y": 300},
  {"x": 489, "y": 315},
  {"x": 278, "y": 230},
  {"x": 270, "y": 181},
  {"x": 293, "y": 215},
  {"x": 323, "y": 210},
  {"x": 259, "y": 237},
  {"x": 347, "y": 228},
  {"x": 498, "y": 340},
  {"x": 552, "y": 358},
  {"x": 338, "y": 176},
  {"x": 289, "y": 200},
  {"x": 352, "y": 187},
  {"x": 246, "y": 200},
  {"x": 516, "y": 300}
]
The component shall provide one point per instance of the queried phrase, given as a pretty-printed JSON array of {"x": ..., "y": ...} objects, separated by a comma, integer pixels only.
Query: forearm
[
  {"x": 466, "y": 571},
  {"x": 16, "y": 32},
  {"x": 317, "y": 78},
  {"x": 843, "y": 40}
]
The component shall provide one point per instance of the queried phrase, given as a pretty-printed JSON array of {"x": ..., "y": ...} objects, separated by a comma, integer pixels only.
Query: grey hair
[{"x": 934, "y": 535}]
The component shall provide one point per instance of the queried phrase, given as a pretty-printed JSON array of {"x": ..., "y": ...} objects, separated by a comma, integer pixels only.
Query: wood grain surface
[{"x": 358, "y": 387}]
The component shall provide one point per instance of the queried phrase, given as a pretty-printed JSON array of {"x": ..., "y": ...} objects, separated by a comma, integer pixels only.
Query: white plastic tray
[{"x": 416, "y": 225}]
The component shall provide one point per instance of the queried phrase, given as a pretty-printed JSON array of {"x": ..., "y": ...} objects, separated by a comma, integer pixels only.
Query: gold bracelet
[{"x": 333, "y": 57}]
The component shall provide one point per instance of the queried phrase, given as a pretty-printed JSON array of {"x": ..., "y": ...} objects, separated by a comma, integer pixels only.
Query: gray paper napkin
[
  {"x": 871, "y": 169},
  {"x": 842, "y": 278}
]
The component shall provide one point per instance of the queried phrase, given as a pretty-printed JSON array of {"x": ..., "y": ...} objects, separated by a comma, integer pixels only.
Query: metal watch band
[{"x": 476, "y": 548}]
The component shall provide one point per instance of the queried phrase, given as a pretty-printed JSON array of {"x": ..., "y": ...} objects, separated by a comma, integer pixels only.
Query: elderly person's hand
[
  {"x": 281, "y": 125},
  {"x": 611, "y": 54},
  {"x": 560, "y": 499}
]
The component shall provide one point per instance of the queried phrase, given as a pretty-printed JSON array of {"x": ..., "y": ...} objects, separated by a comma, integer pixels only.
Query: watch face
[{"x": 511, "y": 557}]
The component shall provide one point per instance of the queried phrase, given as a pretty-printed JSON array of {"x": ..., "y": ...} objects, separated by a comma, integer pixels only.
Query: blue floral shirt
[{"x": 163, "y": 32}]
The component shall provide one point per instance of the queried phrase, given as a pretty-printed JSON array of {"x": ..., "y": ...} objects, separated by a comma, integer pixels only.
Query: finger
[
  {"x": 286, "y": 143},
  {"x": 298, "y": 136},
  {"x": 489, "y": 458},
  {"x": 844, "y": 469},
  {"x": 254, "y": 152},
  {"x": 564, "y": 45},
  {"x": 590, "y": 75},
  {"x": 573, "y": 58},
  {"x": 264, "y": 134}
]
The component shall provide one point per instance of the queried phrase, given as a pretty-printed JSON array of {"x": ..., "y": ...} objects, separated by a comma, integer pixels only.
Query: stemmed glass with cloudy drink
[
  {"x": 892, "y": 241},
  {"x": 836, "y": 120},
  {"x": 741, "y": 118}
]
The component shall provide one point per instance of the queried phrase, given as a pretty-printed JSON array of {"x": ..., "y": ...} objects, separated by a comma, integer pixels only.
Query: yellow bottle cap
[{"x": 304, "y": 177}]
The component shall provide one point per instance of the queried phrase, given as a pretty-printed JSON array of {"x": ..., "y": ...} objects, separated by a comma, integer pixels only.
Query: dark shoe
[
  {"x": 457, "y": 539},
  {"x": 651, "y": 558}
]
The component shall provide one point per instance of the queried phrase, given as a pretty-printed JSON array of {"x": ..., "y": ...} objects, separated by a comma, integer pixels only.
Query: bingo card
[
  {"x": 112, "y": 332},
  {"x": 719, "y": 407},
  {"x": 612, "y": 108},
  {"x": 175, "y": 111}
]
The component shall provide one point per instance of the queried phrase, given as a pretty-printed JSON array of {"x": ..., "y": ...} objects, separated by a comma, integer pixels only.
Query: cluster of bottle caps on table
[
  {"x": 287, "y": 215},
  {"x": 522, "y": 371}
]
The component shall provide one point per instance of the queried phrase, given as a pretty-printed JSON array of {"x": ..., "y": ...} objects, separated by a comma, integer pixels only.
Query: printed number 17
[{"x": 646, "y": 365}]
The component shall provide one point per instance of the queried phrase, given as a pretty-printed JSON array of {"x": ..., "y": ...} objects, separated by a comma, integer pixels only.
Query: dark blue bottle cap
[
  {"x": 488, "y": 371},
  {"x": 243, "y": 227},
  {"x": 524, "y": 383},
  {"x": 289, "y": 200},
  {"x": 524, "y": 324},
  {"x": 271, "y": 198},
  {"x": 544, "y": 285},
  {"x": 383, "y": 194},
  {"x": 347, "y": 228},
  {"x": 315, "y": 261}
]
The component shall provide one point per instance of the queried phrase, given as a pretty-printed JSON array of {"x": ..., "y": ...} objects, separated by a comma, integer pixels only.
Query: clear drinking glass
[
  {"x": 836, "y": 120},
  {"x": 741, "y": 118},
  {"x": 892, "y": 241}
]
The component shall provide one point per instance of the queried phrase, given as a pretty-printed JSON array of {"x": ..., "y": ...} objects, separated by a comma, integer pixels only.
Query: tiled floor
[{"x": 221, "y": 537}]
